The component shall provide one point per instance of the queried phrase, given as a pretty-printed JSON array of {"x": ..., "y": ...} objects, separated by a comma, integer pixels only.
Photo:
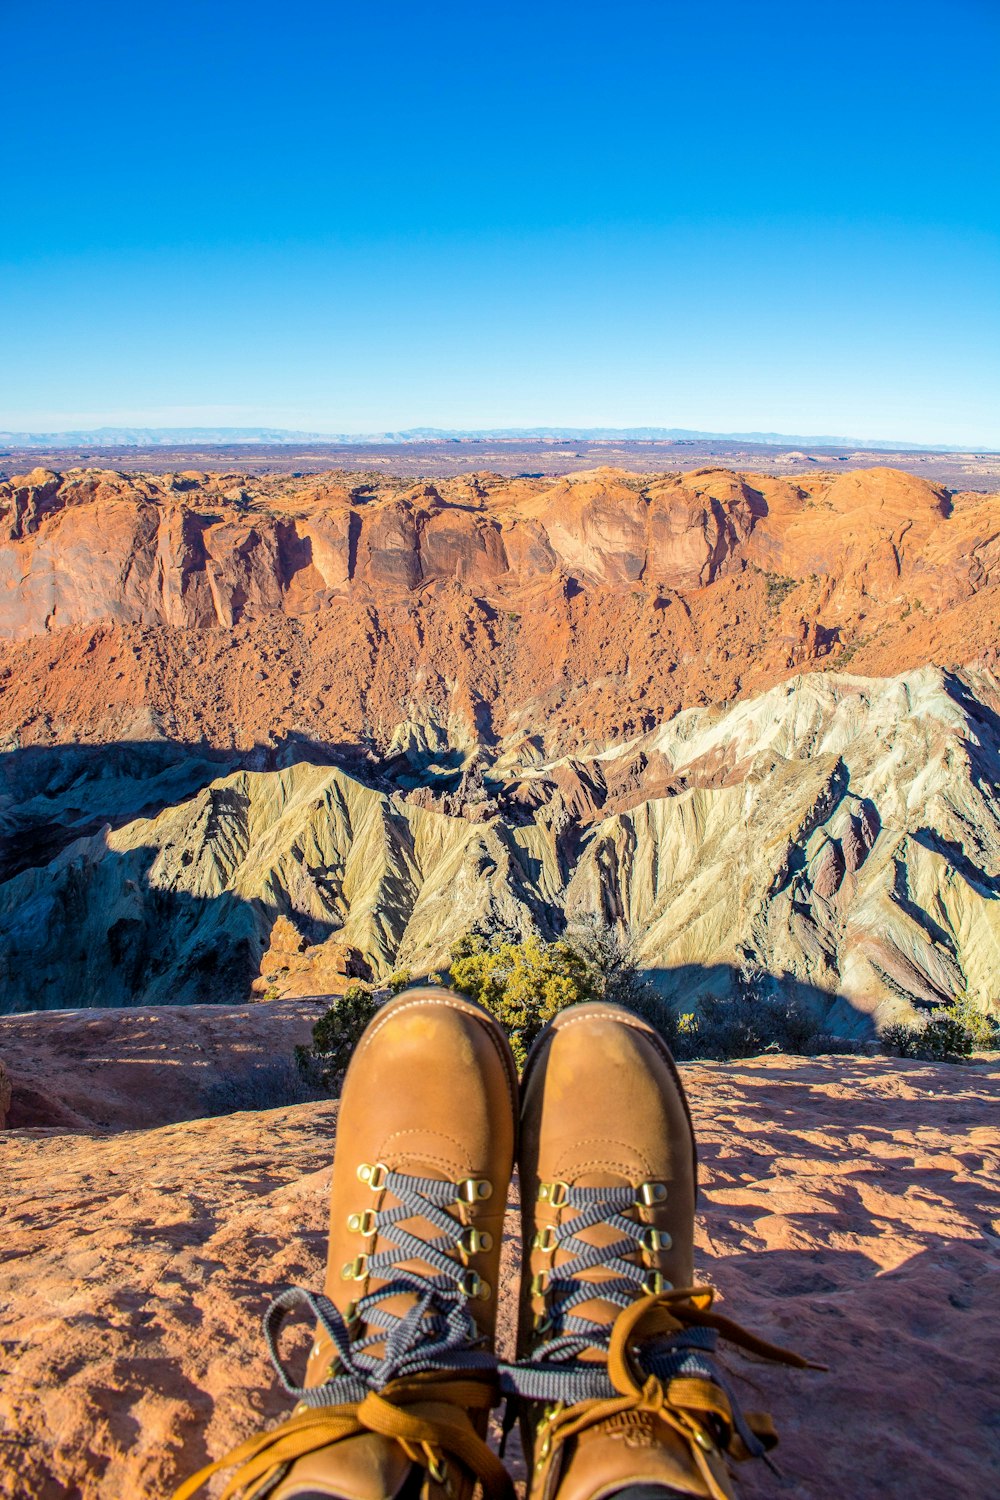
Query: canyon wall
[
  {"x": 576, "y": 612},
  {"x": 264, "y": 735},
  {"x": 836, "y": 835}
]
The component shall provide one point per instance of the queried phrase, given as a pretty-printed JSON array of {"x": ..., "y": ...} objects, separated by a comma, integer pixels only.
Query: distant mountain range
[{"x": 204, "y": 437}]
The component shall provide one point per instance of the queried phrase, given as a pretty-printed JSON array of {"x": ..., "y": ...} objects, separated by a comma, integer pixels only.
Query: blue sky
[{"x": 730, "y": 216}]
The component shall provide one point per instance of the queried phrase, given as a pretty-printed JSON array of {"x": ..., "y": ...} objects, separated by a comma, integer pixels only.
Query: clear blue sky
[{"x": 350, "y": 217}]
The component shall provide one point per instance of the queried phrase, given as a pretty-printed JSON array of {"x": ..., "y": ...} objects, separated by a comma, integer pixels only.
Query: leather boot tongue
[
  {"x": 631, "y": 1448},
  {"x": 367, "y": 1467}
]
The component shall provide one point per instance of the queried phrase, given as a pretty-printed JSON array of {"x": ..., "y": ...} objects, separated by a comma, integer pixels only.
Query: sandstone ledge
[{"x": 850, "y": 1208}]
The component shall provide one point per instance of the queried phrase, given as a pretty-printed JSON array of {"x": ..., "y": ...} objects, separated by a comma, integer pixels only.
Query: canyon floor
[
  {"x": 850, "y": 1208},
  {"x": 431, "y": 459}
]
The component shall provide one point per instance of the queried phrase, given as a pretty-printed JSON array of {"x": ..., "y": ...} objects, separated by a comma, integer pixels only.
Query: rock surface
[
  {"x": 850, "y": 1209},
  {"x": 264, "y": 735},
  {"x": 575, "y": 611},
  {"x": 134, "y": 1069}
]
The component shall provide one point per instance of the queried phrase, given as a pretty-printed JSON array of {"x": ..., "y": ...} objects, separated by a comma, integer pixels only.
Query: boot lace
[
  {"x": 437, "y": 1332},
  {"x": 655, "y": 1354},
  {"x": 556, "y": 1361},
  {"x": 383, "y": 1360}
]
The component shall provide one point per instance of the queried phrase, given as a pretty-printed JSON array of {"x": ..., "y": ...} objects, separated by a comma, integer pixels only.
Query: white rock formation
[{"x": 836, "y": 835}]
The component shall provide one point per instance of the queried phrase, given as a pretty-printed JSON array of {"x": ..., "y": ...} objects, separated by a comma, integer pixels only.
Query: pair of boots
[{"x": 614, "y": 1382}]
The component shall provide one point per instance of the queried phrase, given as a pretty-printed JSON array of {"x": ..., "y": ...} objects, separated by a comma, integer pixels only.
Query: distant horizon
[{"x": 115, "y": 435}]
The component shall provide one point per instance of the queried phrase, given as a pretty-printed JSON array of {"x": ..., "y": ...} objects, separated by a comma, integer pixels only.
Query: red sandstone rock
[
  {"x": 850, "y": 1209},
  {"x": 580, "y": 610}
]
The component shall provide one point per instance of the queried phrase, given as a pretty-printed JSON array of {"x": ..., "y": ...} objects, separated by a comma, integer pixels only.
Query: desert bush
[
  {"x": 778, "y": 588},
  {"x": 983, "y": 1028},
  {"x": 335, "y": 1036},
  {"x": 612, "y": 961},
  {"x": 748, "y": 1023},
  {"x": 948, "y": 1033},
  {"x": 523, "y": 983},
  {"x": 398, "y": 981},
  {"x": 756, "y": 1019}
]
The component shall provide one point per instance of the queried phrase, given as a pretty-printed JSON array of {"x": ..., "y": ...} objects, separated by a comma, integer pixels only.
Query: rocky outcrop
[
  {"x": 344, "y": 721},
  {"x": 840, "y": 1198},
  {"x": 136, "y": 1069},
  {"x": 91, "y": 546},
  {"x": 836, "y": 835},
  {"x": 842, "y": 834},
  {"x": 578, "y": 611}
]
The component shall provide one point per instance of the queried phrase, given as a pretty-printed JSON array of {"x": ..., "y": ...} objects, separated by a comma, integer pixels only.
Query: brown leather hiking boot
[
  {"x": 614, "y": 1377},
  {"x": 402, "y": 1374}
]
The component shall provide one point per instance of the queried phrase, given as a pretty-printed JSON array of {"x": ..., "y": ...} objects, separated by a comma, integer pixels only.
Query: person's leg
[
  {"x": 645, "y": 1492},
  {"x": 402, "y": 1374},
  {"x": 617, "y": 1384},
  {"x": 411, "y": 1490}
]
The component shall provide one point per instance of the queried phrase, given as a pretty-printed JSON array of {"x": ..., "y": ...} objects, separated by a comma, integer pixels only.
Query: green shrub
[
  {"x": 778, "y": 588},
  {"x": 983, "y": 1028},
  {"x": 949, "y": 1033},
  {"x": 335, "y": 1036},
  {"x": 749, "y": 1023},
  {"x": 523, "y": 983},
  {"x": 398, "y": 981}
]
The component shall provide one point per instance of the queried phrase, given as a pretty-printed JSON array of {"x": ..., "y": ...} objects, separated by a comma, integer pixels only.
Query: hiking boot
[
  {"x": 402, "y": 1374},
  {"x": 614, "y": 1379}
]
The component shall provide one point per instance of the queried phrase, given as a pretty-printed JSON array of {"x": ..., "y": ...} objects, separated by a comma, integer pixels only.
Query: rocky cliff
[
  {"x": 273, "y": 733},
  {"x": 575, "y": 611},
  {"x": 839, "y": 834}
]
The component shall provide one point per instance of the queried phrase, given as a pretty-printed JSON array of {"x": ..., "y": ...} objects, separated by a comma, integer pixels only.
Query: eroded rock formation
[
  {"x": 840, "y": 835},
  {"x": 333, "y": 724},
  {"x": 575, "y": 611}
]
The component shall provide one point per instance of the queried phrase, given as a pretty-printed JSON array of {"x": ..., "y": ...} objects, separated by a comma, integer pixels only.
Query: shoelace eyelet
[
  {"x": 374, "y": 1175},
  {"x": 655, "y": 1239},
  {"x": 474, "y": 1240},
  {"x": 473, "y": 1285},
  {"x": 474, "y": 1190}
]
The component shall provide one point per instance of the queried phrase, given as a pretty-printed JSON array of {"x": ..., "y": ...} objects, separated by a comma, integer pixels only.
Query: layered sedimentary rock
[
  {"x": 574, "y": 611},
  {"x": 273, "y": 734},
  {"x": 837, "y": 835}
]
